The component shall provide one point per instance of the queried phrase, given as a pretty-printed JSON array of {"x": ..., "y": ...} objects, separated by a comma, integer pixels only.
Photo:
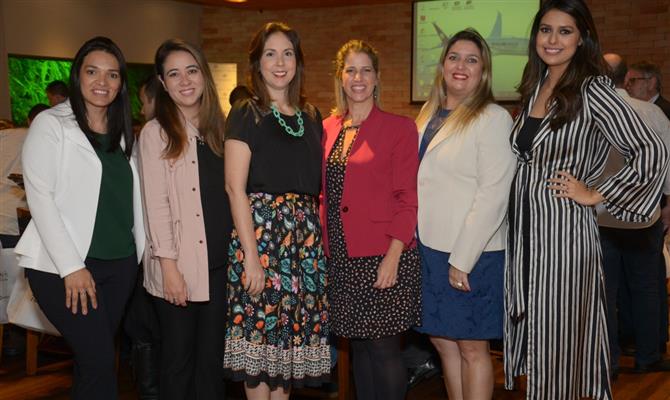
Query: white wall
[{"x": 57, "y": 28}]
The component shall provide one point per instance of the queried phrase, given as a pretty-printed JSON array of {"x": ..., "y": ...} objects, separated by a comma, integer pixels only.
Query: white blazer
[
  {"x": 62, "y": 175},
  {"x": 463, "y": 185}
]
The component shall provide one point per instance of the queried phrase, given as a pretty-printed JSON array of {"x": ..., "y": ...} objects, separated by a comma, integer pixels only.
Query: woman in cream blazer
[{"x": 464, "y": 179}]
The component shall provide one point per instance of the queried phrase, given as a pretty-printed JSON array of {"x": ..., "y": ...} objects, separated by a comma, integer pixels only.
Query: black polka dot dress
[{"x": 357, "y": 309}]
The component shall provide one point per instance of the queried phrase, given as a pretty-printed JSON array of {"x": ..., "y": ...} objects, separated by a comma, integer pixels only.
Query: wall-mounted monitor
[
  {"x": 29, "y": 76},
  {"x": 505, "y": 24}
]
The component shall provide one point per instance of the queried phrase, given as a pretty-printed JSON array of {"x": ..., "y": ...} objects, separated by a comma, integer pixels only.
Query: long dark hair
[
  {"x": 587, "y": 61},
  {"x": 296, "y": 95},
  {"x": 211, "y": 121},
  {"x": 119, "y": 118}
]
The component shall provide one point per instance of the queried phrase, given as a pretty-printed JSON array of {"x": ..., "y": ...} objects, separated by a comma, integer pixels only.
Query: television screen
[
  {"x": 29, "y": 76},
  {"x": 505, "y": 24}
]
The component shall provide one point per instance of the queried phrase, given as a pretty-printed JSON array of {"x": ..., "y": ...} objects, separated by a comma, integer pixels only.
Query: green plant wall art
[{"x": 29, "y": 77}]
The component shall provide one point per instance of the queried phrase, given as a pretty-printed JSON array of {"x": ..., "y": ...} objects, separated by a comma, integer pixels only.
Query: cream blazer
[
  {"x": 62, "y": 174},
  {"x": 463, "y": 186}
]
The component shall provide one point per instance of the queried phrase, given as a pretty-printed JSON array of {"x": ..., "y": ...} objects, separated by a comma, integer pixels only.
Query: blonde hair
[
  {"x": 353, "y": 46},
  {"x": 472, "y": 106}
]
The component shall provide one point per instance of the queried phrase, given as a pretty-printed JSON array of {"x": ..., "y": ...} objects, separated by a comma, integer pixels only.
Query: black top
[
  {"x": 280, "y": 163},
  {"x": 113, "y": 229},
  {"x": 527, "y": 133},
  {"x": 215, "y": 206},
  {"x": 664, "y": 105}
]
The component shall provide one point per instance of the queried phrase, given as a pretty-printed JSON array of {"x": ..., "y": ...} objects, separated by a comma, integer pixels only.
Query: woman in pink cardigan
[{"x": 188, "y": 223}]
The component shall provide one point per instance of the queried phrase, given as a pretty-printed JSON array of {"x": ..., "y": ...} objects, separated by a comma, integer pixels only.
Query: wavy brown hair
[
  {"x": 296, "y": 96},
  {"x": 587, "y": 61},
  {"x": 211, "y": 121}
]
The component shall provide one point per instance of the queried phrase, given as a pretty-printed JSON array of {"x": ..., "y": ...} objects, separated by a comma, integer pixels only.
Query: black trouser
[
  {"x": 140, "y": 322},
  {"x": 90, "y": 336},
  {"x": 192, "y": 344},
  {"x": 663, "y": 306},
  {"x": 631, "y": 258},
  {"x": 141, "y": 326},
  {"x": 379, "y": 371}
]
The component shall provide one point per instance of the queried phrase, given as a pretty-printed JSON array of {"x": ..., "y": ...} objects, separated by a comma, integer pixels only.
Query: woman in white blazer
[
  {"x": 86, "y": 236},
  {"x": 464, "y": 180}
]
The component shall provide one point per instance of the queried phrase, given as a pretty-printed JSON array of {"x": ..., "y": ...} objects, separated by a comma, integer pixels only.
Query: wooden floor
[{"x": 53, "y": 382}]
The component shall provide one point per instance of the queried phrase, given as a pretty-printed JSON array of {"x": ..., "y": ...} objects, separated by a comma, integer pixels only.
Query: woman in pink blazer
[
  {"x": 369, "y": 216},
  {"x": 188, "y": 223}
]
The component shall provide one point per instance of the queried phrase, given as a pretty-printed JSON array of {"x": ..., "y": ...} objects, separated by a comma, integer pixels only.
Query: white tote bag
[
  {"x": 9, "y": 269},
  {"x": 24, "y": 311}
]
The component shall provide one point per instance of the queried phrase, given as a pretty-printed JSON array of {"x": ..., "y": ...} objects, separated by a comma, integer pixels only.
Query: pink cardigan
[{"x": 173, "y": 213}]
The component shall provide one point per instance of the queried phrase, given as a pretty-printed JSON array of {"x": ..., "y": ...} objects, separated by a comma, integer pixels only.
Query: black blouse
[
  {"x": 280, "y": 163},
  {"x": 215, "y": 206},
  {"x": 527, "y": 133}
]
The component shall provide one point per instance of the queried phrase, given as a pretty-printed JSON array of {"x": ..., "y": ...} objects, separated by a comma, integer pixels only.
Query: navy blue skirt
[{"x": 455, "y": 314}]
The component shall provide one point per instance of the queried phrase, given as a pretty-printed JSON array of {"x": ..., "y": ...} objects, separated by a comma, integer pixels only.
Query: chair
[{"x": 342, "y": 369}]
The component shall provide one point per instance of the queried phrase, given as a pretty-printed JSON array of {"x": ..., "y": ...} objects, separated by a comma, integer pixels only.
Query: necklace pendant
[{"x": 283, "y": 124}]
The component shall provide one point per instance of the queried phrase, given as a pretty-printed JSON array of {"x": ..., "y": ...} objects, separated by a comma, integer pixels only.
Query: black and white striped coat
[{"x": 555, "y": 328}]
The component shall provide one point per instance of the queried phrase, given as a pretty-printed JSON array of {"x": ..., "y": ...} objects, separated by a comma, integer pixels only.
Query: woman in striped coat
[{"x": 555, "y": 328}]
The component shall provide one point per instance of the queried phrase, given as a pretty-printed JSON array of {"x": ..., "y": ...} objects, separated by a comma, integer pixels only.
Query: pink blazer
[
  {"x": 173, "y": 213},
  {"x": 379, "y": 199}
]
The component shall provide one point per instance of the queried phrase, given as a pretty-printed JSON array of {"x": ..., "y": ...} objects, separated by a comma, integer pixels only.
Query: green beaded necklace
[{"x": 288, "y": 129}]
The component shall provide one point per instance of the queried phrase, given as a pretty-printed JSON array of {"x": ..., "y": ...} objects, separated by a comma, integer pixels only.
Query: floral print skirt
[{"x": 280, "y": 337}]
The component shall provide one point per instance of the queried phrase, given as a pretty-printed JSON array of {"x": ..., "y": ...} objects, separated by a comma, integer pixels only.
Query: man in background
[
  {"x": 632, "y": 252},
  {"x": 36, "y": 109},
  {"x": 57, "y": 92},
  {"x": 643, "y": 82},
  {"x": 239, "y": 93},
  {"x": 140, "y": 322},
  {"x": 147, "y": 94}
]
